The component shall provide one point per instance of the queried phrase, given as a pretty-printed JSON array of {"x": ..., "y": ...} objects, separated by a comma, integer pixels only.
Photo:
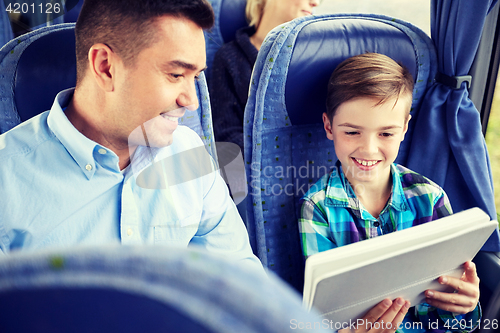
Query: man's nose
[{"x": 188, "y": 98}]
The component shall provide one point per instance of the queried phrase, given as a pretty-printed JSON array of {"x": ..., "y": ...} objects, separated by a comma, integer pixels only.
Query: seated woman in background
[{"x": 233, "y": 63}]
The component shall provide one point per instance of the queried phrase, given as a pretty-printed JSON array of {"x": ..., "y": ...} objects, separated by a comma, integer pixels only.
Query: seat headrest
[
  {"x": 73, "y": 8},
  {"x": 232, "y": 17},
  {"x": 321, "y": 46},
  {"x": 47, "y": 66}
]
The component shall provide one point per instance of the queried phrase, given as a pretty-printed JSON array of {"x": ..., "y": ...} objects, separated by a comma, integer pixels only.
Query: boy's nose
[{"x": 370, "y": 145}]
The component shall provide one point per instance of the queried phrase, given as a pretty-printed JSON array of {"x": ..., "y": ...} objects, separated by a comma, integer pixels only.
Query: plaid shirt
[{"x": 332, "y": 216}]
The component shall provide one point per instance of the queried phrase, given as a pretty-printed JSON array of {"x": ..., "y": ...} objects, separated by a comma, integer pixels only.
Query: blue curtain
[
  {"x": 5, "y": 27},
  {"x": 448, "y": 145}
]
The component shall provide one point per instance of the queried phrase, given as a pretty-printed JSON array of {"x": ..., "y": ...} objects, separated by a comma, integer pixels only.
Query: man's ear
[
  {"x": 102, "y": 63},
  {"x": 328, "y": 126}
]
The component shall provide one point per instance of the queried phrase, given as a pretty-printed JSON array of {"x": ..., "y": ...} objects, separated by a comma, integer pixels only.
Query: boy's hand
[
  {"x": 465, "y": 297},
  {"x": 387, "y": 314}
]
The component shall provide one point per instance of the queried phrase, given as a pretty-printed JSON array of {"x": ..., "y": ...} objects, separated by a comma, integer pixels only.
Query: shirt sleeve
[
  {"x": 442, "y": 206},
  {"x": 221, "y": 229},
  {"x": 314, "y": 229}
]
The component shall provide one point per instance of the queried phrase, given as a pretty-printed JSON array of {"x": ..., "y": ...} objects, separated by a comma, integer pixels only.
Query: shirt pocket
[{"x": 179, "y": 232}]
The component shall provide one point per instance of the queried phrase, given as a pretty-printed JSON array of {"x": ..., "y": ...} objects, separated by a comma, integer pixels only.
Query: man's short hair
[
  {"x": 371, "y": 75},
  {"x": 126, "y": 25}
]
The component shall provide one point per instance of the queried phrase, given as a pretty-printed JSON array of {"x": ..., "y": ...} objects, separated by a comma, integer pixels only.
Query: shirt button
[
  {"x": 88, "y": 167},
  {"x": 102, "y": 151},
  {"x": 376, "y": 224},
  {"x": 130, "y": 231}
]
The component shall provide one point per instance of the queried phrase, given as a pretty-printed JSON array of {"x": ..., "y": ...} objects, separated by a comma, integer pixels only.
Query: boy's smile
[{"x": 367, "y": 138}]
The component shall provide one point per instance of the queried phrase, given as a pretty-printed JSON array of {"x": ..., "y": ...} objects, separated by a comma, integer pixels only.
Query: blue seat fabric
[
  {"x": 141, "y": 289},
  {"x": 229, "y": 17}
]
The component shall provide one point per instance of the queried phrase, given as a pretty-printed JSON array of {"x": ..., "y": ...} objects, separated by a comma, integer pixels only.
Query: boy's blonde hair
[
  {"x": 368, "y": 75},
  {"x": 254, "y": 11}
]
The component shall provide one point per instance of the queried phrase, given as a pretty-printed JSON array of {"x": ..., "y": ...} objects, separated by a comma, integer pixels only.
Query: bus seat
[
  {"x": 286, "y": 149},
  {"x": 71, "y": 15},
  {"x": 141, "y": 289},
  {"x": 491, "y": 313},
  {"x": 229, "y": 17},
  {"x": 39, "y": 64},
  {"x": 6, "y": 33}
]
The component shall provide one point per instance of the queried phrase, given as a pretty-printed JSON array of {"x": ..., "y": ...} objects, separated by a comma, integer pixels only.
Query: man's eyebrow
[{"x": 182, "y": 64}]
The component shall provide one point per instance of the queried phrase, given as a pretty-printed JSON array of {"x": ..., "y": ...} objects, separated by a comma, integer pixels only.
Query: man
[{"x": 75, "y": 174}]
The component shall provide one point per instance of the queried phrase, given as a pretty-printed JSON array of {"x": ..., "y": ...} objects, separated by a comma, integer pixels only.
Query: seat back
[
  {"x": 286, "y": 149},
  {"x": 140, "y": 289},
  {"x": 72, "y": 11},
  {"x": 229, "y": 17},
  {"x": 37, "y": 65}
]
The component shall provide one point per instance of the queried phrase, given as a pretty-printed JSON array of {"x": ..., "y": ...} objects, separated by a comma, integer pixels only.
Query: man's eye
[
  {"x": 197, "y": 78},
  {"x": 176, "y": 76},
  {"x": 387, "y": 134},
  {"x": 351, "y": 133}
]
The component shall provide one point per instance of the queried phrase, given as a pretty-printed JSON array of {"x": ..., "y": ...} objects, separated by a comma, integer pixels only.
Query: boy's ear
[
  {"x": 328, "y": 126},
  {"x": 102, "y": 65},
  {"x": 405, "y": 128}
]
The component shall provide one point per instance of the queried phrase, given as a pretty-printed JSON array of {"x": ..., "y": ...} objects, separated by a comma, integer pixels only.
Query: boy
[{"x": 367, "y": 195}]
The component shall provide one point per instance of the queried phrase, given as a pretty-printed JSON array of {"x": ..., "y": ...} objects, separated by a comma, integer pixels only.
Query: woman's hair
[
  {"x": 254, "y": 11},
  {"x": 368, "y": 75}
]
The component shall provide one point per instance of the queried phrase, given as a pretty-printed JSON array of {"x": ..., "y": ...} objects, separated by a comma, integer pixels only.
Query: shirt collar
[
  {"x": 81, "y": 148},
  {"x": 340, "y": 193}
]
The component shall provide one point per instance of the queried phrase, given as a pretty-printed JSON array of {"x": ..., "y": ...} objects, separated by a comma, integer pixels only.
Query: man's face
[
  {"x": 154, "y": 92},
  {"x": 367, "y": 138}
]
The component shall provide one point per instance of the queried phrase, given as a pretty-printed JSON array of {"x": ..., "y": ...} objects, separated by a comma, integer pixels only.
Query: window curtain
[
  {"x": 5, "y": 27},
  {"x": 448, "y": 146}
]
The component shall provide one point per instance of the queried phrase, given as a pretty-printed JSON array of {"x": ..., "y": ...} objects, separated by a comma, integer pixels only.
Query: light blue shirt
[{"x": 59, "y": 188}]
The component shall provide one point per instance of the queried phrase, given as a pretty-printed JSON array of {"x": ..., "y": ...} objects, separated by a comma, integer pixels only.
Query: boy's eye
[
  {"x": 351, "y": 133},
  {"x": 176, "y": 76},
  {"x": 387, "y": 134}
]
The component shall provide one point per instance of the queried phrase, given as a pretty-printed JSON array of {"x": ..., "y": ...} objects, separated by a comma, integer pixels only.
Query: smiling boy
[{"x": 366, "y": 194}]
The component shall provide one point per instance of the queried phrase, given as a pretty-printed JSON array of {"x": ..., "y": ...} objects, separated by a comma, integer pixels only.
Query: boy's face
[{"x": 367, "y": 138}]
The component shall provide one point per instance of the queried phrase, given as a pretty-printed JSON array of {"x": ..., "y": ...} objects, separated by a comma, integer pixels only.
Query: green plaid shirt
[{"x": 332, "y": 216}]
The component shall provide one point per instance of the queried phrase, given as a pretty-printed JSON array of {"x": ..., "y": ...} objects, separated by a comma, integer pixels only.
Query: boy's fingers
[
  {"x": 373, "y": 315},
  {"x": 460, "y": 286},
  {"x": 452, "y": 299},
  {"x": 400, "y": 316},
  {"x": 462, "y": 308},
  {"x": 392, "y": 317},
  {"x": 471, "y": 273}
]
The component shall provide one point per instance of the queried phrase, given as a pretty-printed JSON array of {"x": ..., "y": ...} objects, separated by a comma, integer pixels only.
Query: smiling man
[{"x": 70, "y": 175}]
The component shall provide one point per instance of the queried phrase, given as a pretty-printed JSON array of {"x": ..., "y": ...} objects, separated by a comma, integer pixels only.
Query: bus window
[
  {"x": 492, "y": 139},
  {"x": 415, "y": 12}
]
